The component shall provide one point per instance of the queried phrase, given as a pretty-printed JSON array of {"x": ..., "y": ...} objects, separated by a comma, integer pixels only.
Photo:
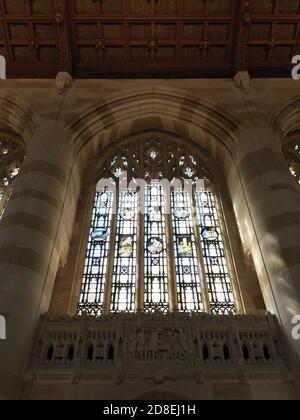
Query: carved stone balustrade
[{"x": 162, "y": 347}]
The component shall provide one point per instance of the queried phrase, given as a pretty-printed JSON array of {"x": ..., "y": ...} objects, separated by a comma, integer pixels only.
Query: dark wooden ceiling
[{"x": 149, "y": 38}]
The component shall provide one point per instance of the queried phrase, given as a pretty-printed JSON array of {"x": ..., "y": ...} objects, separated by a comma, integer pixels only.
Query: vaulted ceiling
[{"x": 149, "y": 38}]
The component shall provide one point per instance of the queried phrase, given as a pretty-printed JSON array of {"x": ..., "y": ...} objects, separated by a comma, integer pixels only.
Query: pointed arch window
[
  {"x": 157, "y": 244},
  {"x": 12, "y": 153},
  {"x": 292, "y": 154}
]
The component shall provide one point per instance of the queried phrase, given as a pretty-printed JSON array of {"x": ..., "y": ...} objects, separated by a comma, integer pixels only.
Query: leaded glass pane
[
  {"x": 218, "y": 280},
  {"x": 95, "y": 267},
  {"x": 125, "y": 256},
  {"x": 155, "y": 254},
  {"x": 186, "y": 262}
]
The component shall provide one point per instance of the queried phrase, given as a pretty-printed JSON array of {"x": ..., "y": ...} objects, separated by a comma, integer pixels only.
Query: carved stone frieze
[{"x": 158, "y": 347}]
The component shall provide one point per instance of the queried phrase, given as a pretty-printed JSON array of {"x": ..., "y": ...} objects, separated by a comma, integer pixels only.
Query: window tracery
[{"x": 164, "y": 248}]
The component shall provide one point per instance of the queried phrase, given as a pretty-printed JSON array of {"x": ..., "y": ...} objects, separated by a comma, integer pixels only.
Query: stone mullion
[
  {"x": 173, "y": 299},
  {"x": 140, "y": 264},
  {"x": 200, "y": 258},
  {"x": 111, "y": 256}
]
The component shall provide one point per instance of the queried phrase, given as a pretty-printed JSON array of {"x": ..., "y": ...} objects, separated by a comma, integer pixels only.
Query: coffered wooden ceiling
[{"x": 149, "y": 38}]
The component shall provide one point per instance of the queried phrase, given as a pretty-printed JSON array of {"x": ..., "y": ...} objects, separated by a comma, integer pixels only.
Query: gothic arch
[
  {"x": 12, "y": 153},
  {"x": 16, "y": 116},
  {"x": 286, "y": 121},
  {"x": 95, "y": 167},
  {"x": 172, "y": 111},
  {"x": 92, "y": 176},
  {"x": 16, "y": 128}
]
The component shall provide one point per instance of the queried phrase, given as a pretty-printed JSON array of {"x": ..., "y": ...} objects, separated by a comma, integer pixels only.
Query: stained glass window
[
  {"x": 95, "y": 268},
  {"x": 188, "y": 275},
  {"x": 292, "y": 155},
  {"x": 125, "y": 255},
  {"x": 155, "y": 254},
  {"x": 164, "y": 248},
  {"x": 12, "y": 152},
  {"x": 217, "y": 276}
]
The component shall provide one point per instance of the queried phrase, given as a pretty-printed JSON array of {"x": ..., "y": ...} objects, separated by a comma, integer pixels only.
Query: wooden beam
[
  {"x": 63, "y": 17},
  {"x": 242, "y": 25}
]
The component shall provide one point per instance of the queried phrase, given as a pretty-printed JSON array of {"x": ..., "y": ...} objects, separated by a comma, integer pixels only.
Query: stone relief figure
[
  {"x": 181, "y": 345},
  {"x": 141, "y": 344},
  {"x": 59, "y": 351},
  {"x": 79, "y": 349},
  {"x": 152, "y": 345},
  {"x": 133, "y": 337},
  {"x": 120, "y": 349},
  {"x": 173, "y": 345},
  {"x": 196, "y": 347},
  {"x": 157, "y": 344},
  {"x": 164, "y": 344},
  {"x": 100, "y": 352},
  {"x": 256, "y": 351},
  {"x": 217, "y": 352}
]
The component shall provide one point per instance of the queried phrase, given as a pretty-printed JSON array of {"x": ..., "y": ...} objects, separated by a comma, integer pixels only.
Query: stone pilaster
[
  {"x": 31, "y": 245},
  {"x": 267, "y": 204}
]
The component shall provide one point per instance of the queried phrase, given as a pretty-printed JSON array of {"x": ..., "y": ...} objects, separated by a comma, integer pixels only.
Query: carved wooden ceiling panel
[{"x": 149, "y": 38}]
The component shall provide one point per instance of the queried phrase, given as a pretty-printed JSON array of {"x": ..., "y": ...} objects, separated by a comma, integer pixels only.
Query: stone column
[
  {"x": 31, "y": 241},
  {"x": 267, "y": 204}
]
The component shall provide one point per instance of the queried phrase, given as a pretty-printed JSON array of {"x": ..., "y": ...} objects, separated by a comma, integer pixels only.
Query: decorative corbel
[
  {"x": 63, "y": 82},
  {"x": 242, "y": 81}
]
